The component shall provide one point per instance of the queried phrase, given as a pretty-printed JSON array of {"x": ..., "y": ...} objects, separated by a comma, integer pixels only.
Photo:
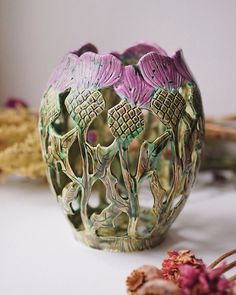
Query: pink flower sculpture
[
  {"x": 132, "y": 87},
  {"x": 163, "y": 71}
]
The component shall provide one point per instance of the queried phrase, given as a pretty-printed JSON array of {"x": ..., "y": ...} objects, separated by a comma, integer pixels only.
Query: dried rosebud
[
  {"x": 140, "y": 276},
  {"x": 151, "y": 272},
  {"x": 134, "y": 281},
  {"x": 15, "y": 102},
  {"x": 158, "y": 287},
  {"x": 175, "y": 259},
  {"x": 204, "y": 282}
]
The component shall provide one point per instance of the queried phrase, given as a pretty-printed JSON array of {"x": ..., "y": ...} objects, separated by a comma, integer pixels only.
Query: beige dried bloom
[
  {"x": 140, "y": 276},
  {"x": 135, "y": 280},
  {"x": 20, "y": 152},
  {"x": 159, "y": 287}
]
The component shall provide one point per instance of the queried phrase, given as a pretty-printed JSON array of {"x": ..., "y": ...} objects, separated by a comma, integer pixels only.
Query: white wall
[{"x": 34, "y": 35}]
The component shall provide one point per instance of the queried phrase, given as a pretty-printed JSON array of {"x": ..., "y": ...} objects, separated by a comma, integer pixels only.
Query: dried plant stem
[
  {"x": 230, "y": 266},
  {"x": 218, "y": 130},
  {"x": 86, "y": 190},
  {"x": 221, "y": 258}
]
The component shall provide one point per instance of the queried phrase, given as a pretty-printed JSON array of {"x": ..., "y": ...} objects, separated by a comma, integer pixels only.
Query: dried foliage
[
  {"x": 20, "y": 152},
  {"x": 183, "y": 273}
]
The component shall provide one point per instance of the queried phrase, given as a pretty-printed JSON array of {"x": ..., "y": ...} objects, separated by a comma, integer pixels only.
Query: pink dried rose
[
  {"x": 204, "y": 281},
  {"x": 175, "y": 259},
  {"x": 158, "y": 287},
  {"x": 15, "y": 102},
  {"x": 140, "y": 276},
  {"x": 183, "y": 273}
]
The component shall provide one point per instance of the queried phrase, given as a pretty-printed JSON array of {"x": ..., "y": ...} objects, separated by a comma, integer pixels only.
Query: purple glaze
[
  {"x": 87, "y": 47},
  {"x": 90, "y": 70},
  {"x": 160, "y": 71},
  {"x": 138, "y": 50},
  {"x": 63, "y": 75},
  {"x": 142, "y": 48},
  {"x": 131, "y": 86},
  {"x": 181, "y": 66},
  {"x": 97, "y": 71},
  {"x": 85, "y": 68}
]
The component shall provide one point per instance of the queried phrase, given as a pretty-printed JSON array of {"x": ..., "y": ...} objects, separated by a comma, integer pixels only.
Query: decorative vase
[{"x": 113, "y": 126}]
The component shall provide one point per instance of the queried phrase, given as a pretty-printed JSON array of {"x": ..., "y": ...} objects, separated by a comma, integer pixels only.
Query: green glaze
[{"x": 139, "y": 149}]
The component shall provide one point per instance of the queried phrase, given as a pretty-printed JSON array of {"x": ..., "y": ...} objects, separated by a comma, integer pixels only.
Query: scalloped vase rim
[{"x": 150, "y": 45}]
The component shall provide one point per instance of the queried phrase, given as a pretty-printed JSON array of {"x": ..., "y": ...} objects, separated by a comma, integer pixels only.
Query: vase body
[{"x": 122, "y": 149}]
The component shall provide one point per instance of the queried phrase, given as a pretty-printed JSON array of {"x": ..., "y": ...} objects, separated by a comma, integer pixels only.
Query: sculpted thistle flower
[
  {"x": 126, "y": 118},
  {"x": 133, "y": 88},
  {"x": 167, "y": 74},
  {"x": 93, "y": 72},
  {"x": 162, "y": 71}
]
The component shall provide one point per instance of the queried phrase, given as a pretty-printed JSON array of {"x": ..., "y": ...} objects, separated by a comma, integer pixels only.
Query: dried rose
[
  {"x": 134, "y": 281},
  {"x": 204, "y": 282},
  {"x": 175, "y": 259},
  {"x": 14, "y": 102},
  {"x": 140, "y": 276},
  {"x": 159, "y": 287}
]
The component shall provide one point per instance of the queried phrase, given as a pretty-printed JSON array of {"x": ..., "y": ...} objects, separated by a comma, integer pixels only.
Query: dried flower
[
  {"x": 135, "y": 280},
  {"x": 204, "y": 282},
  {"x": 175, "y": 259},
  {"x": 151, "y": 272},
  {"x": 15, "y": 102},
  {"x": 140, "y": 276},
  {"x": 159, "y": 287},
  {"x": 183, "y": 273},
  {"x": 20, "y": 151}
]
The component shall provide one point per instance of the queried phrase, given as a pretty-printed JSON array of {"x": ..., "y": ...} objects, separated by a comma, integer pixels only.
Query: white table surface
[{"x": 38, "y": 254}]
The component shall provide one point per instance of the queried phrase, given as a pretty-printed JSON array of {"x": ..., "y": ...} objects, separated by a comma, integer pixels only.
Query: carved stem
[
  {"x": 68, "y": 170},
  {"x": 86, "y": 190},
  {"x": 131, "y": 186},
  {"x": 175, "y": 182},
  {"x": 105, "y": 156}
]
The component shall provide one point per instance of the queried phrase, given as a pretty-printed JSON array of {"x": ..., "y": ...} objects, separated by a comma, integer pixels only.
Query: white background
[
  {"x": 39, "y": 256},
  {"x": 34, "y": 35}
]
